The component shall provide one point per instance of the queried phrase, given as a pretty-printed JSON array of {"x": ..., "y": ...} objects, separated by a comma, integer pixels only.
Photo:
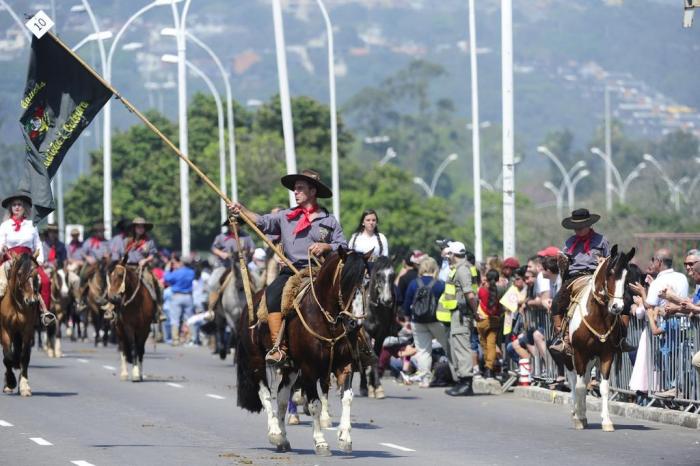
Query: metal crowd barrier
[{"x": 542, "y": 368}]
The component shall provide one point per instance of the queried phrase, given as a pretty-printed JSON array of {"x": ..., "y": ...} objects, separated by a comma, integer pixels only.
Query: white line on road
[
  {"x": 5, "y": 424},
  {"x": 110, "y": 368},
  {"x": 398, "y": 447},
  {"x": 84, "y": 361},
  {"x": 174, "y": 385},
  {"x": 40, "y": 441},
  {"x": 331, "y": 428},
  {"x": 216, "y": 397},
  {"x": 82, "y": 463}
]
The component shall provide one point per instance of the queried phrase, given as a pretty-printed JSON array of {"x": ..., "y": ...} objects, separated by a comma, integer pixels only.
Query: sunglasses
[{"x": 690, "y": 264}]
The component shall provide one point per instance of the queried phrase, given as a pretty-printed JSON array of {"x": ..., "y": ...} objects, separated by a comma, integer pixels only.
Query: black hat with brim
[
  {"x": 141, "y": 221},
  {"x": 21, "y": 196},
  {"x": 580, "y": 218},
  {"x": 51, "y": 227},
  {"x": 311, "y": 177}
]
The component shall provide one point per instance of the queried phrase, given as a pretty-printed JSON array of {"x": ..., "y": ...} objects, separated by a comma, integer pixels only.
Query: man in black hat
[
  {"x": 55, "y": 253},
  {"x": 305, "y": 229},
  {"x": 585, "y": 249}
]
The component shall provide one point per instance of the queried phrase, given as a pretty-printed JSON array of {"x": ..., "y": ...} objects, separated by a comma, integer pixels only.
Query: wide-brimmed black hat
[
  {"x": 311, "y": 177},
  {"x": 21, "y": 196},
  {"x": 580, "y": 218},
  {"x": 140, "y": 221},
  {"x": 51, "y": 227}
]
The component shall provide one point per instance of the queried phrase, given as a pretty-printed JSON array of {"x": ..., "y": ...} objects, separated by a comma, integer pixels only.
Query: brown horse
[
  {"x": 135, "y": 309},
  {"x": 95, "y": 298},
  {"x": 61, "y": 301},
  {"x": 322, "y": 337},
  {"x": 595, "y": 332},
  {"x": 19, "y": 313}
]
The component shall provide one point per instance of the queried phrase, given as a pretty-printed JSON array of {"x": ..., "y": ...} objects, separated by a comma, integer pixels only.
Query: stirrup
[
  {"x": 47, "y": 318},
  {"x": 276, "y": 356}
]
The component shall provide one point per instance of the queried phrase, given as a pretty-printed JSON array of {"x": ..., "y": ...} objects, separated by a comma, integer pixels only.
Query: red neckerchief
[
  {"x": 73, "y": 245},
  {"x": 586, "y": 240},
  {"x": 305, "y": 221},
  {"x": 18, "y": 222},
  {"x": 135, "y": 245},
  {"x": 95, "y": 242},
  {"x": 52, "y": 253}
]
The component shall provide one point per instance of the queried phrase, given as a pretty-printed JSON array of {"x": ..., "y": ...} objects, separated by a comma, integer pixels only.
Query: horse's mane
[
  {"x": 23, "y": 266},
  {"x": 353, "y": 270}
]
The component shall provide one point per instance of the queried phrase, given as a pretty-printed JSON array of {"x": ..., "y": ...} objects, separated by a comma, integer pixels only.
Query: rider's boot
[
  {"x": 277, "y": 355},
  {"x": 561, "y": 344},
  {"x": 211, "y": 306},
  {"x": 463, "y": 388}
]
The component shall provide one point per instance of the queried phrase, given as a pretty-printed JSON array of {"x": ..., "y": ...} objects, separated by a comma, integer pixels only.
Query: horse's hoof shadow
[
  {"x": 284, "y": 447},
  {"x": 322, "y": 450}
]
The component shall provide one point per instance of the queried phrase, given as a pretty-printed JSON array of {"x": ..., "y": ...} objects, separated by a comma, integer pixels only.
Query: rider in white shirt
[{"x": 368, "y": 238}]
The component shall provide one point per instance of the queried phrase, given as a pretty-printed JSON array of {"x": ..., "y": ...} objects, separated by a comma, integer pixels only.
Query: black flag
[{"x": 60, "y": 100}]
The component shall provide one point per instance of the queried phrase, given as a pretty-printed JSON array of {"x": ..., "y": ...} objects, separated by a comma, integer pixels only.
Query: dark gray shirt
[
  {"x": 227, "y": 243},
  {"x": 75, "y": 250},
  {"x": 324, "y": 229},
  {"x": 97, "y": 248},
  {"x": 136, "y": 252},
  {"x": 582, "y": 261}
]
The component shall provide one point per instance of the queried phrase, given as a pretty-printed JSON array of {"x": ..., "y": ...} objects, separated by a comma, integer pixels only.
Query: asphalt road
[{"x": 185, "y": 413}]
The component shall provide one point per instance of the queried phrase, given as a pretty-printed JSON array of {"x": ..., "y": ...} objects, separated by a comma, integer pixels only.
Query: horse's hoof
[
  {"x": 379, "y": 393},
  {"x": 322, "y": 450},
  {"x": 368, "y": 392},
  {"x": 123, "y": 376},
  {"x": 326, "y": 422},
  {"x": 580, "y": 424},
  {"x": 293, "y": 420},
  {"x": 284, "y": 447},
  {"x": 276, "y": 439},
  {"x": 608, "y": 427},
  {"x": 26, "y": 392},
  {"x": 50, "y": 353},
  {"x": 345, "y": 447},
  {"x": 8, "y": 389}
]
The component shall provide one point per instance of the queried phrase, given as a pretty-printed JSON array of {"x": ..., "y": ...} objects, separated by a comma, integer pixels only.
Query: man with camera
[{"x": 456, "y": 307}]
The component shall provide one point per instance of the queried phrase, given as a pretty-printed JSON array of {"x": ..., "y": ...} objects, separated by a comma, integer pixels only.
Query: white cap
[
  {"x": 259, "y": 254},
  {"x": 457, "y": 247}
]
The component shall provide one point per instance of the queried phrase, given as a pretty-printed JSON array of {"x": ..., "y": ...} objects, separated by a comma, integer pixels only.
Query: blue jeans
[{"x": 181, "y": 308}]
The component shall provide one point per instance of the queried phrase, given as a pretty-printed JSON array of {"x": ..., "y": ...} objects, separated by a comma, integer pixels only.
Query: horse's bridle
[{"x": 122, "y": 287}]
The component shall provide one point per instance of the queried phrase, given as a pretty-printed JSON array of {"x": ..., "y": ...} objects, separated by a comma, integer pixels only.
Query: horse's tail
[{"x": 247, "y": 382}]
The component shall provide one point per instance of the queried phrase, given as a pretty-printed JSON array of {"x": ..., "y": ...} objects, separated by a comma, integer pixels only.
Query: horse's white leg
[
  {"x": 282, "y": 400},
  {"x": 571, "y": 378},
  {"x": 274, "y": 433},
  {"x": 325, "y": 416},
  {"x": 123, "y": 372},
  {"x": 59, "y": 353},
  {"x": 580, "y": 421},
  {"x": 24, "y": 389},
  {"x": 344, "y": 428},
  {"x": 605, "y": 414},
  {"x": 136, "y": 373},
  {"x": 320, "y": 445}
]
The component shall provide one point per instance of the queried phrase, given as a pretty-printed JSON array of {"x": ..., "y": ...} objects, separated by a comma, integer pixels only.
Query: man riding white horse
[{"x": 305, "y": 230}]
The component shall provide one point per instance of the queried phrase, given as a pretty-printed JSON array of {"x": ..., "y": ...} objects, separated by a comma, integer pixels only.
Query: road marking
[
  {"x": 40, "y": 441},
  {"x": 174, "y": 385},
  {"x": 82, "y": 463},
  {"x": 216, "y": 397},
  {"x": 331, "y": 428},
  {"x": 84, "y": 361},
  {"x": 398, "y": 447},
  {"x": 5, "y": 424},
  {"x": 110, "y": 368}
]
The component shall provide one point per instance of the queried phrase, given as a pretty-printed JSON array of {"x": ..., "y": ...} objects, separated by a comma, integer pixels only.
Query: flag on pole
[{"x": 61, "y": 98}]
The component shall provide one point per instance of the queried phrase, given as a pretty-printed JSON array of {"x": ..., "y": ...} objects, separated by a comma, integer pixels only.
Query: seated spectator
[
  {"x": 541, "y": 289},
  {"x": 428, "y": 327}
]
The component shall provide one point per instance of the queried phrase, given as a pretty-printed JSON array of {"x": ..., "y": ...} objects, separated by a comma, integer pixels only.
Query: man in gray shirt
[{"x": 305, "y": 230}]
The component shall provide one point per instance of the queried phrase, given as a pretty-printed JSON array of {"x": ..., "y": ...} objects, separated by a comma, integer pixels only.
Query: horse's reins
[
  {"x": 602, "y": 297},
  {"x": 122, "y": 287}
]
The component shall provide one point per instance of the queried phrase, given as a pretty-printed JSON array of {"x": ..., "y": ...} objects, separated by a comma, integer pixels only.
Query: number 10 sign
[{"x": 39, "y": 24}]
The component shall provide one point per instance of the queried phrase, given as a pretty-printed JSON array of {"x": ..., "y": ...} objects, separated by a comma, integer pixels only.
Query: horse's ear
[
  {"x": 631, "y": 254},
  {"x": 367, "y": 255},
  {"x": 613, "y": 251},
  {"x": 342, "y": 252},
  {"x": 123, "y": 260}
]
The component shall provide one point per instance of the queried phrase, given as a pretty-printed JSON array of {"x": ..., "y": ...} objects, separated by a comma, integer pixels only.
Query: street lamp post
[
  {"x": 558, "y": 196},
  {"x": 476, "y": 145},
  {"x": 508, "y": 137},
  {"x": 335, "y": 179},
  {"x": 566, "y": 175},
  {"x": 579, "y": 176},
  {"x": 430, "y": 190},
  {"x": 220, "y": 113},
  {"x": 674, "y": 188},
  {"x": 229, "y": 106},
  {"x": 390, "y": 154},
  {"x": 285, "y": 103}
]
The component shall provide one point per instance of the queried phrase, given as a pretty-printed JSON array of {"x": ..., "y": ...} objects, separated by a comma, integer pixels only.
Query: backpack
[{"x": 424, "y": 303}]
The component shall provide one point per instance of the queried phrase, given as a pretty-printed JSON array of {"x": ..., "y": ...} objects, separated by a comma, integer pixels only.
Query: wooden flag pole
[{"x": 172, "y": 146}]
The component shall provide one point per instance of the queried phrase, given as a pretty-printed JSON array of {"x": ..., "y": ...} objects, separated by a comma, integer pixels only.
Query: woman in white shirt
[
  {"x": 18, "y": 235},
  {"x": 368, "y": 238}
]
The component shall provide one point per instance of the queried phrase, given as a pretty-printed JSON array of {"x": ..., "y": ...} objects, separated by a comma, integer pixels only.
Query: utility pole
[{"x": 508, "y": 124}]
